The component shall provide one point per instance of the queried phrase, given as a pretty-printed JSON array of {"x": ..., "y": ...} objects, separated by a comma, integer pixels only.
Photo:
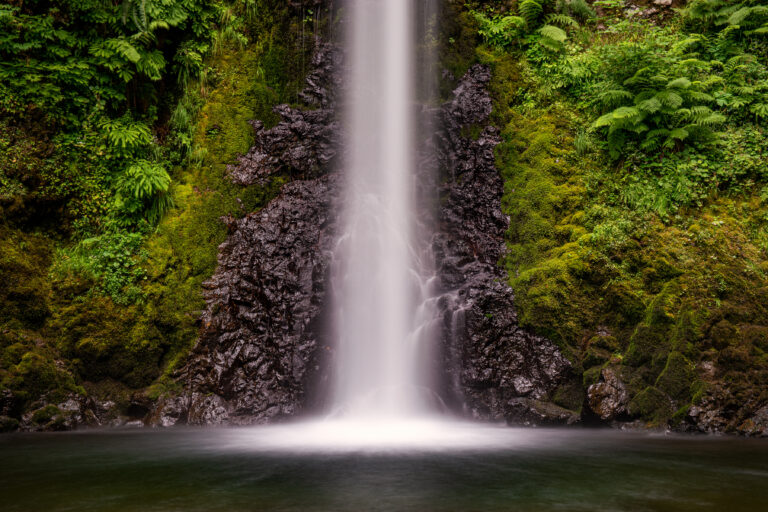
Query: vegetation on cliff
[
  {"x": 116, "y": 129},
  {"x": 634, "y": 159},
  {"x": 633, "y": 156}
]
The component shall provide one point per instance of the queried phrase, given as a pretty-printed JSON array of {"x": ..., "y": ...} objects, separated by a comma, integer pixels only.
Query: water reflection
[{"x": 498, "y": 469}]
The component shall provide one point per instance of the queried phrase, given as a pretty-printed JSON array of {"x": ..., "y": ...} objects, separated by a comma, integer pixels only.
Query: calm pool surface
[{"x": 244, "y": 470}]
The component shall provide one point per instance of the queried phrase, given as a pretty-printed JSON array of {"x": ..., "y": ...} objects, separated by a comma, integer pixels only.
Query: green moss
[
  {"x": 457, "y": 43},
  {"x": 8, "y": 424},
  {"x": 677, "y": 378},
  {"x": 72, "y": 332},
  {"x": 665, "y": 293},
  {"x": 45, "y": 414},
  {"x": 35, "y": 374},
  {"x": 591, "y": 376},
  {"x": 652, "y": 405},
  {"x": 24, "y": 260},
  {"x": 569, "y": 396}
]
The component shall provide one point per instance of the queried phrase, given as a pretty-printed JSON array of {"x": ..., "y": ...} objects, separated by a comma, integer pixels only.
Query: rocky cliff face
[
  {"x": 494, "y": 370},
  {"x": 261, "y": 338},
  {"x": 261, "y": 353}
]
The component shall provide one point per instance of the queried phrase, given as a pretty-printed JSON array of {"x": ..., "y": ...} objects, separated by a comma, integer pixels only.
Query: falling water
[
  {"x": 380, "y": 283},
  {"x": 383, "y": 281}
]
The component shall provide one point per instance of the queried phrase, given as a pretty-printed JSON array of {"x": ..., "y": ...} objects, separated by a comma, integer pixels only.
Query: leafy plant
[
  {"x": 530, "y": 25},
  {"x": 143, "y": 192},
  {"x": 110, "y": 260},
  {"x": 657, "y": 110},
  {"x": 125, "y": 135}
]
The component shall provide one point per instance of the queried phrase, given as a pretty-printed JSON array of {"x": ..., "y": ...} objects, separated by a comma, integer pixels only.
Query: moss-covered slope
[{"x": 62, "y": 333}]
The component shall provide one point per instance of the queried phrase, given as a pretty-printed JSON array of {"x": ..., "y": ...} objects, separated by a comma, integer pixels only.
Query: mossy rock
[
  {"x": 724, "y": 334},
  {"x": 596, "y": 356},
  {"x": 24, "y": 261},
  {"x": 677, "y": 378},
  {"x": 605, "y": 342},
  {"x": 591, "y": 376},
  {"x": 45, "y": 415},
  {"x": 38, "y": 374},
  {"x": 8, "y": 424},
  {"x": 652, "y": 405},
  {"x": 569, "y": 396}
]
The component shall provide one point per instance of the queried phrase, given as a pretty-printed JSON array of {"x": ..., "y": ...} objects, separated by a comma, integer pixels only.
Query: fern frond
[
  {"x": 613, "y": 98},
  {"x": 699, "y": 96},
  {"x": 650, "y": 105},
  {"x": 739, "y": 16},
  {"x": 710, "y": 120},
  {"x": 554, "y": 33},
  {"x": 562, "y": 20},
  {"x": 530, "y": 10},
  {"x": 678, "y": 134},
  {"x": 759, "y": 109},
  {"x": 679, "y": 83},
  {"x": 670, "y": 99}
]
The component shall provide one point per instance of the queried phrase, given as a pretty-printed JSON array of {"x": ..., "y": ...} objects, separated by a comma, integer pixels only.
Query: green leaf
[
  {"x": 679, "y": 83},
  {"x": 554, "y": 33}
]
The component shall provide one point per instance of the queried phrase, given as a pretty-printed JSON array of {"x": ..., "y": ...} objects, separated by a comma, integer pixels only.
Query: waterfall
[{"x": 381, "y": 277}]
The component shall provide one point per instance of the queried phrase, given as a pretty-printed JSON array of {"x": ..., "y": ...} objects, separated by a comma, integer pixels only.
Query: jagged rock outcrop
[
  {"x": 261, "y": 330},
  {"x": 495, "y": 369},
  {"x": 262, "y": 340},
  {"x": 304, "y": 144}
]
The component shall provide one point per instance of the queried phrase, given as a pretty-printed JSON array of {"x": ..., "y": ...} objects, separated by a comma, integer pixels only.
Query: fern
[
  {"x": 679, "y": 83},
  {"x": 500, "y": 31},
  {"x": 143, "y": 191},
  {"x": 530, "y": 10},
  {"x": 554, "y": 33},
  {"x": 125, "y": 135},
  {"x": 562, "y": 20},
  {"x": 575, "y": 8},
  {"x": 613, "y": 98}
]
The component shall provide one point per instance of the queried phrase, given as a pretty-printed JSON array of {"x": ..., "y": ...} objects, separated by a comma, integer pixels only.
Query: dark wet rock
[
  {"x": 720, "y": 412},
  {"x": 608, "y": 399},
  {"x": 757, "y": 425},
  {"x": 526, "y": 411},
  {"x": 305, "y": 143},
  {"x": 10, "y": 405},
  {"x": 261, "y": 335},
  {"x": 260, "y": 330},
  {"x": 73, "y": 412},
  {"x": 494, "y": 369}
]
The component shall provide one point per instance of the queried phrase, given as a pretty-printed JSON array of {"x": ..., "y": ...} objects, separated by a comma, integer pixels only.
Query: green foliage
[
  {"x": 125, "y": 136},
  {"x": 657, "y": 110},
  {"x": 70, "y": 59},
  {"x": 500, "y": 31},
  {"x": 143, "y": 192},
  {"x": 635, "y": 263},
  {"x": 503, "y": 31},
  {"x": 109, "y": 261},
  {"x": 23, "y": 260},
  {"x": 576, "y": 8},
  {"x": 733, "y": 19},
  {"x": 108, "y": 289}
]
